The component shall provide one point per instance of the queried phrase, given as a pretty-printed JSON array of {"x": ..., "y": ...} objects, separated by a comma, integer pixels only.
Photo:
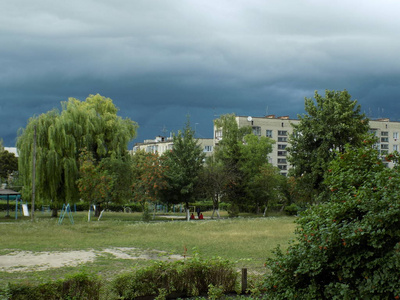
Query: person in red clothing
[
  {"x": 201, "y": 216},
  {"x": 192, "y": 216}
]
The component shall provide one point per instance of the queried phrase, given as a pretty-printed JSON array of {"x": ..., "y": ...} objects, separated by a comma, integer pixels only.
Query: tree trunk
[
  {"x": 54, "y": 213},
  {"x": 101, "y": 214},
  {"x": 187, "y": 211},
  {"x": 215, "y": 206},
  {"x": 97, "y": 211},
  {"x": 265, "y": 211},
  {"x": 215, "y": 210}
]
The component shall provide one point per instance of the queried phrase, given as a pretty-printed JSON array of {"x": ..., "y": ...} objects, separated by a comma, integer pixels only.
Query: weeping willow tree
[{"x": 92, "y": 124}]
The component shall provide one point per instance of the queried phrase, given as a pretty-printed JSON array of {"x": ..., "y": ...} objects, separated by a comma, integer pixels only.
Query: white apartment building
[
  {"x": 279, "y": 129},
  {"x": 161, "y": 144}
]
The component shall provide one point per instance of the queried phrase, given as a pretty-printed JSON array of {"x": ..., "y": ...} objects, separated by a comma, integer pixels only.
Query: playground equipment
[
  {"x": 21, "y": 207},
  {"x": 66, "y": 209}
]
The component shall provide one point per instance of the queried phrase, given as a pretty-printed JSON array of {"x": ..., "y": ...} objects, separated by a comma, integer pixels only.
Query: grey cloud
[{"x": 159, "y": 60}]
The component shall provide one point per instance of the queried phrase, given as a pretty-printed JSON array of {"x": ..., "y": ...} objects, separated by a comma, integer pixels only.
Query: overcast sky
[{"x": 160, "y": 60}]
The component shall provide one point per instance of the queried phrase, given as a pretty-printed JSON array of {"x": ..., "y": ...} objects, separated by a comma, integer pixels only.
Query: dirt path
[{"x": 22, "y": 261}]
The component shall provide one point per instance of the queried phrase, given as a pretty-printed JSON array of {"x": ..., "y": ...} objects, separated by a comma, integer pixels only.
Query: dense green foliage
[
  {"x": 8, "y": 164},
  {"x": 349, "y": 246},
  {"x": 92, "y": 124},
  {"x": 214, "y": 180},
  {"x": 331, "y": 122},
  {"x": 182, "y": 167},
  {"x": 253, "y": 182},
  {"x": 94, "y": 183},
  {"x": 228, "y": 153},
  {"x": 191, "y": 277},
  {"x": 149, "y": 178},
  {"x": 78, "y": 286}
]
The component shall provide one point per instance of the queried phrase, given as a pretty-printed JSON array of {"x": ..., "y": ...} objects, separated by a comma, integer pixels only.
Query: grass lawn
[{"x": 248, "y": 241}]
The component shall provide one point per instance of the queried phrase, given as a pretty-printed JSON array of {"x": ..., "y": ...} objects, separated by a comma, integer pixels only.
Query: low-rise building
[{"x": 161, "y": 144}]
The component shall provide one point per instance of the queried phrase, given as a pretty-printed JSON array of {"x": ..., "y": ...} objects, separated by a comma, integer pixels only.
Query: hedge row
[
  {"x": 136, "y": 207},
  {"x": 189, "y": 278},
  {"x": 133, "y": 207},
  {"x": 78, "y": 286},
  {"x": 193, "y": 277}
]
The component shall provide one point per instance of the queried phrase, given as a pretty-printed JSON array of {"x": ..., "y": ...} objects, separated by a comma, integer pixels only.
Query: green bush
[
  {"x": 349, "y": 246},
  {"x": 291, "y": 209},
  {"x": 233, "y": 210},
  {"x": 191, "y": 277},
  {"x": 78, "y": 286}
]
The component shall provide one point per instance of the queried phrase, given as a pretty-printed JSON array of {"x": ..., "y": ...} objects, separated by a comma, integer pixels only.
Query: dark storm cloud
[{"x": 162, "y": 60}]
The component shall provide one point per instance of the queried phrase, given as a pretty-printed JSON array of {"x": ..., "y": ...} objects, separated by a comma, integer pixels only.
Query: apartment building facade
[
  {"x": 162, "y": 144},
  {"x": 280, "y": 128}
]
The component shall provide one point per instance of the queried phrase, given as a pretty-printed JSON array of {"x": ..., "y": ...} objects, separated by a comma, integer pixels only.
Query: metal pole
[{"x": 33, "y": 174}]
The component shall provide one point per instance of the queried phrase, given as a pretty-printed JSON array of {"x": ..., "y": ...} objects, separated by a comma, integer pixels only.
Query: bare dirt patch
[{"x": 23, "y": 261}]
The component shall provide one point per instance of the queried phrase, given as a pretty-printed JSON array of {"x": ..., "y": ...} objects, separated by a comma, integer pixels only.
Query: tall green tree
[
  {"x": 228, "y": 153},
  {"x": 347, "y": 247},
  {"x": 245, "y": 155},
  {"x": 182, "y": 167},
  {"x": 92, "y": 124},
  {"x": 258, "y": 180},
  {"x": 331, "y": 122},
  {"x": 8, "y": 164},
  {"x": 121, "y": 170},
  {"x": 214, "y": 182},
  {"x": 95, "y": 183},
  {"x": 266, "y": 187},
  {"x": 149, "y": 178}
]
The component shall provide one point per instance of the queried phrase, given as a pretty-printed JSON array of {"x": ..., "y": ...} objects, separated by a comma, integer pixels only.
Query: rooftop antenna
[
  {"x": 164, "y": 130},
  {"x": 215, "y": 115}
]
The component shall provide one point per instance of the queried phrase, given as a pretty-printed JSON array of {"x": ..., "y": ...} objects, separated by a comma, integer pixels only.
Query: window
[
  {"x": 384, "y": 133},
  {"x": 385, "y": 140},
  {"x": 395, "y": 147},
  {"x": 152, "y": 149},
  {"x": 282, "y": 161},
  {"x": 282, "y": 146},
  {"x": 208, "y": 148},
  {"x": 282, "y": 132},
  {"x": 395, "y": 135},
  {"x": 268, "y": 133},
  {"x": 384, "y": 152},
  {"x": 282, "y": 167},
  {"x": 282, "y": 139},
  {"x": 256, "y": 130},
  {"x": 281, "y": 153},
  {"x": 384, "y": 146},
  {"x": 218, "y": 134}
]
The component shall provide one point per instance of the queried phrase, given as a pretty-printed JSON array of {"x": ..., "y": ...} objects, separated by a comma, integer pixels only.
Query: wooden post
[{"x": 244, "y": 280}]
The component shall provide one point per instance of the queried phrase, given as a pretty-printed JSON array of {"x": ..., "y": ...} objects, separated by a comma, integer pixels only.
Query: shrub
[
  {"x": 233, "y": 210},
  {"x": 349, "y": 246},
  {"x": 291, "y": 209},
  {"x": 191, "y": 277},
  {"x": 78, "y": 286}
]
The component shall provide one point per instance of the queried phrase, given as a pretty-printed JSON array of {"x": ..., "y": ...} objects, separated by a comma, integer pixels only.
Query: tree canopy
[
  {"x": 182, "y": 167},
  {"x": 245, "y": 157},
  {"x": 149, "y": 177},
  {"x": 8, "y": 163},
  {"x": 92, "y": 124},
  {"x": 331, "y": 122},
  {"x": 349, "y": 246}
]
